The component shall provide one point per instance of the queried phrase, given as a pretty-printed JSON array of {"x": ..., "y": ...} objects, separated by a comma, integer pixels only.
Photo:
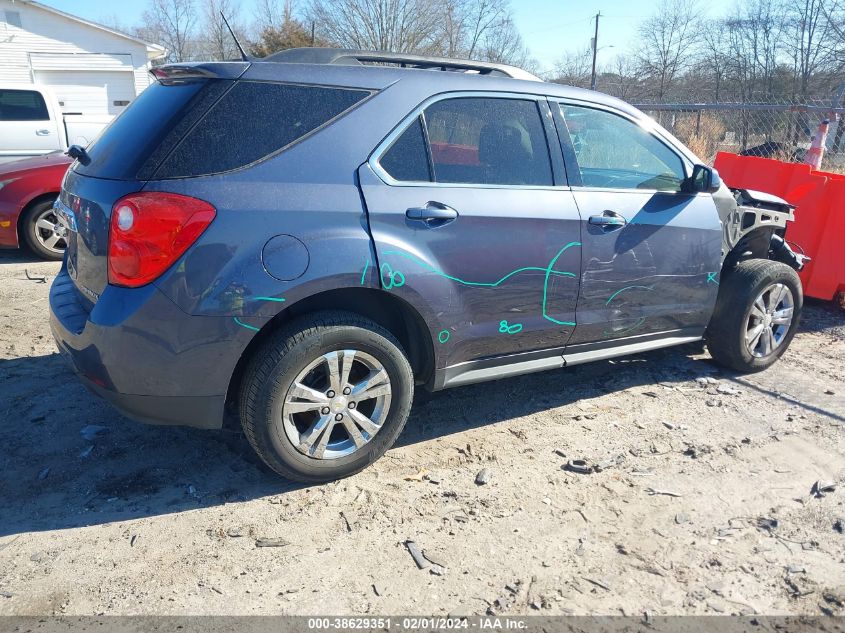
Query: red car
[{"x": 28, "y": 189}]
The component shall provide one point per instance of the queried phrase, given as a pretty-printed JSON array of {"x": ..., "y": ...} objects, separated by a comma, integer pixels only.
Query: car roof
[
  {"x": 424, "y": 80},
  {"x": 432, "y": 75}
]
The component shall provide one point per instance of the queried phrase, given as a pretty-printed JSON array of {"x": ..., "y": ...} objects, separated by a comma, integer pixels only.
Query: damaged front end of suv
[
  {"x": 760, "y": 296},
  {"x": 754, "y": 227}
]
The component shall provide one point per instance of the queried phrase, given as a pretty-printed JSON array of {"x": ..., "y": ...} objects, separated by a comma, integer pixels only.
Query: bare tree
[
  {"x": 755, "y": 32},
  {"x": 713, "y": 65},
  {"x": 116, "y": 23},
  {"x": 502, "y": 43},
  {"x": 171, "y": 23},
  {"x": 574, "y": 69},
  {"x": 402, "y": 26},
  {"x": 835, "y": 14},
  {"x": 813, "y": 44},
  {"x": 468, "y": 23},
  {"x": 217, "y": 42},
  {"x": 621, "y": 79},
  {"x": 273, "y": 14},
  {"x": 667, "y": 41}
]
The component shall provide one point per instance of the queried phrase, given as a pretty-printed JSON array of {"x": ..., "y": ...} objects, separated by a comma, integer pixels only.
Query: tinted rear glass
[
  {"x": 22, "y": 105},
  {"x": 251, "y": 121},
  {"x": 159, "y": 114}
]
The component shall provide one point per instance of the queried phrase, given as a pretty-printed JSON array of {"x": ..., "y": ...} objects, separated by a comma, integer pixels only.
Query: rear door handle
[
  {"x": 432, "y": 211},
  {"x": 42, "y": 132},
  {"x": 608, "y": 220}
]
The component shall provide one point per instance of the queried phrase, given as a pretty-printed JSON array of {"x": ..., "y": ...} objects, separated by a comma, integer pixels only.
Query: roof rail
[{"x": 346, "y": 56}]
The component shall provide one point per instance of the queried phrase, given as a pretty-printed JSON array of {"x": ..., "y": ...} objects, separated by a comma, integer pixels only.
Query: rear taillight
[{"x": 150, "y": 231}]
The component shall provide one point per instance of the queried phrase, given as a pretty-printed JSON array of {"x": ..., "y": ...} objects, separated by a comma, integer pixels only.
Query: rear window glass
[
  {"x": 22, "y": 105},
  {"x": 149, "y": 125},
  {"x": 251, "y": 121}
]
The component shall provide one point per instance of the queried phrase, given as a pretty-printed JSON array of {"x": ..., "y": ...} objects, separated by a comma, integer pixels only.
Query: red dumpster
[{"x": 819, "y": 227}]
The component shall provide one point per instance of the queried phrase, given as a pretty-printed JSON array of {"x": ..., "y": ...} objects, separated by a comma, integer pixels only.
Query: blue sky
[{"x": 549, "y": 28}]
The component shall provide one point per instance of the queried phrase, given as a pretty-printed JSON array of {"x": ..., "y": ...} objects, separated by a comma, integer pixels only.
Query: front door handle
[
  {"x": 432, "y": 211},
  {"x": 608, "y": 220},
  {"x": 42, "y": 132}
]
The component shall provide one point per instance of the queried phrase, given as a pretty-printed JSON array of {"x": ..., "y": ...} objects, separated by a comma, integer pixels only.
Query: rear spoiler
[{"x": 179, "y": 73}]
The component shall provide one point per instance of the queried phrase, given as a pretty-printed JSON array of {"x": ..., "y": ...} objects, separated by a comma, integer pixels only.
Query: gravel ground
[{"x": 703, "y": 504}]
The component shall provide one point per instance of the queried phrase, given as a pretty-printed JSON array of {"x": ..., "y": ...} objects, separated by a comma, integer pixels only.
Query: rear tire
[
  {"x": 756, "y": 316},
  {"x": 42, "y": 240},
  {"x": 353, "y": 394}
]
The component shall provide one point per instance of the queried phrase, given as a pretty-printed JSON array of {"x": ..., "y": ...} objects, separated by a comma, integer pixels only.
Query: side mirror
[
  {"x": 703, "y": 180},
  {"x": 78, "y": 152}
]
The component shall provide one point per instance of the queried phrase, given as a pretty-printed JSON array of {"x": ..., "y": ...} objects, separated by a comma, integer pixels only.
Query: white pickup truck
[{"x": 32, "y": 123}]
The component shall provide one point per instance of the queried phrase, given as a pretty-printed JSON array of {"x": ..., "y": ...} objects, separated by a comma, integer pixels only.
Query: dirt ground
[{"x": 703, "y": 506}]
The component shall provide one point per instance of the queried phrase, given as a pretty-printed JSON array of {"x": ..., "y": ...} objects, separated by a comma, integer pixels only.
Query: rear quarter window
[
  {"x": 134, "y": 144},
  {"x": 252, "y": 121}
]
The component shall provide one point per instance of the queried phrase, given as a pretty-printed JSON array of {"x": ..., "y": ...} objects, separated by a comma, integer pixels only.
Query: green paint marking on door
[
  {"x": 364, "y": 272},
  {"x": 506, "y": 328},
  {"x": 478, "y": 284},
  {"x": 548, "y": 270},
  {"x": 242, "y": 324},
  {"x": 640, "y": 320},
  {"x": 621, "y": 290},
  {"x": 391, "y": 278}
]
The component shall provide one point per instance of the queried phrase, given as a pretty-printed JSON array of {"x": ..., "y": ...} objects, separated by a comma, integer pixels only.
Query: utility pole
[{"x": 595, "y": 51}]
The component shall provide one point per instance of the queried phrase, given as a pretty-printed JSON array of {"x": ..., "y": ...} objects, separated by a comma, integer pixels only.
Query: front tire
[
  {"x": 42, "y": 231},
  {"x": 756, "y": 316},
  {"x": 326, "y": 396}
]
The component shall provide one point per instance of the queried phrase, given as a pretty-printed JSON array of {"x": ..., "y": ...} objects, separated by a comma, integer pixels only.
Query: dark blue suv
[{"x": 312, "y": 235}]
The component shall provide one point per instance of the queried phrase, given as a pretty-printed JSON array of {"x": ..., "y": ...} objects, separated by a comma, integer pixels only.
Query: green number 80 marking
[
  {"x": 391, "y": 278},
  {"x": 504, "y": 328}
]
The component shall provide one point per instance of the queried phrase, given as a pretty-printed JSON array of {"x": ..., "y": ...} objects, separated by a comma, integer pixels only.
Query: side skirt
[{"x": 530, "y": 362}]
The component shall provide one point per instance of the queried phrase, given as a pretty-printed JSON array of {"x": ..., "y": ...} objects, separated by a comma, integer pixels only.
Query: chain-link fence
[{"x": 780, "y": 131}]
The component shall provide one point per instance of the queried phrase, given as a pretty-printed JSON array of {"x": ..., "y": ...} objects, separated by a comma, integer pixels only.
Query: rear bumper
[
  {"x": 149, "y": 359},
  {"x": 204, "y": 412}
]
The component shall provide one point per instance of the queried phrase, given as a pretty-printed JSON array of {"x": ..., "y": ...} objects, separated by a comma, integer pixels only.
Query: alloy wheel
[
  {"x": 49, "y": 231},
  {"x": 337, "y": 404},
  {"x": 769, "y": 320}
]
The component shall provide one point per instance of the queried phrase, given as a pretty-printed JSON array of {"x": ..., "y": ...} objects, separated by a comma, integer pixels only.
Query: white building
[{"x": 92, "y": 69}]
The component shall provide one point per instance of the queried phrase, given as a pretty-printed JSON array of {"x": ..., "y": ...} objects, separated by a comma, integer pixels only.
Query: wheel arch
[
  {"x": 391, "y": 312},
  {"x": 753, "y": 245},
  {"x": 35, "y": 200}
]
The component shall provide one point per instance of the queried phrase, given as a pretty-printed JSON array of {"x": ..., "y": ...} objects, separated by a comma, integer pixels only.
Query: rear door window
[
  {"x": 22, "y": 105},
  {"x": 488, "y": 141},
  {"x": 475, "y": 141}
]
